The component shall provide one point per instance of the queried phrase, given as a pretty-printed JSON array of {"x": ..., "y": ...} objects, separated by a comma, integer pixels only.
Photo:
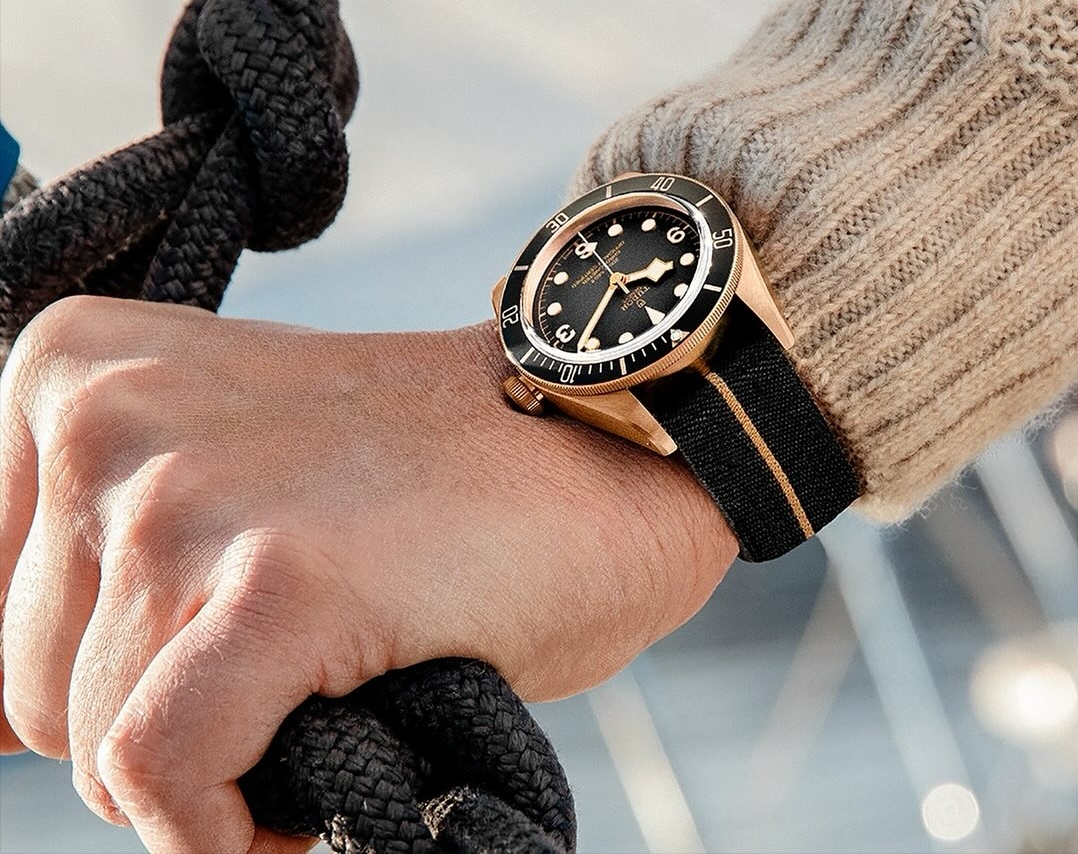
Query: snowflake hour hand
[{"x": 654, "y": 271}]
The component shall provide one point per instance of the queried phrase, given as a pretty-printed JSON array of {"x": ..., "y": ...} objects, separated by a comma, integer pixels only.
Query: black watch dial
[
  {"x": 616, "y": 280},
  {"x": 605, "y": 293}
]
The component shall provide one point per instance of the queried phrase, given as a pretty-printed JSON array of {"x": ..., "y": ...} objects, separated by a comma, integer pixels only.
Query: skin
[{"x": 206, "y": 520}]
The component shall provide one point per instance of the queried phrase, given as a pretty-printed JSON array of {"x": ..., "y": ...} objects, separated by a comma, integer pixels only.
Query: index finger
[{"x": 204, "y": 712}]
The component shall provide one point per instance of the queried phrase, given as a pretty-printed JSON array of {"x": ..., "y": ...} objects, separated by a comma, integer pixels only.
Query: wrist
[
  {"x": 664, "y": 518},
  {"x": 542, "y": 546}
]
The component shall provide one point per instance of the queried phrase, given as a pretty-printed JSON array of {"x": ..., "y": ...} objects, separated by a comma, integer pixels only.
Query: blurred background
[{"x": 902, "y": 690}]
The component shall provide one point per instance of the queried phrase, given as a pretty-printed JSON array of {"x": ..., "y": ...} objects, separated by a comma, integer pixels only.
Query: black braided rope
[
  {"x": 442, "y": 756},
  {"x": 443, "y": 748},
  {"x": 254, "y": 99}
]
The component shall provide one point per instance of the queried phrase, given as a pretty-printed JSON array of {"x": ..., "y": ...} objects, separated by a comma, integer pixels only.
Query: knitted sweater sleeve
[{"x": 908, "y": 170}]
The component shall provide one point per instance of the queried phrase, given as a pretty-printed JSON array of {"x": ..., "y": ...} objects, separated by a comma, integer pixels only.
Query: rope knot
[
  {"x": 255, "y": 95},
  {"x": 284, "y": 71},
  {"x": 439, "y": 757}
]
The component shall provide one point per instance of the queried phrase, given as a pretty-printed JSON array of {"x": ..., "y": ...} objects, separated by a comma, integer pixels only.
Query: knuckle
[
  {"x": 42, "y": 731},
  {"x": 156, "y": 501},
  {"x": 271, "y": 561},
  {"x": 283, "y": 597},
  {"x": 58, "y": 326},
  {"x": 61, "y": 332},
  {"x": 96, "y": 797},
  {"x": 151, "y": 522},
  {"x": 271, "y": 587},
  {"x": 134, "y": 767},
  {"x": 62, "y": 328},
  {"x": 111, "y": 403},
  {"x": 269, "y": 575},
  {"x": 88, "y": 433},
  {"x": 102, "y": 431}
]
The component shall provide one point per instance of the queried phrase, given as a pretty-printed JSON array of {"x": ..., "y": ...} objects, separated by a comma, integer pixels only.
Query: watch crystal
[
  {"x": 616, "y": 280},
  {"x": 620, "y": 285}
]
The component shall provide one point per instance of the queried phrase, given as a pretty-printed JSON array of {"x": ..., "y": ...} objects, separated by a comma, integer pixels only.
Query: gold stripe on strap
[{"x": 761, "y": 446}]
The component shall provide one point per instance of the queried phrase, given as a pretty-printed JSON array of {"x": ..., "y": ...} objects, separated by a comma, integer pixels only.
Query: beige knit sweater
[{"x": 908, "y": 170}]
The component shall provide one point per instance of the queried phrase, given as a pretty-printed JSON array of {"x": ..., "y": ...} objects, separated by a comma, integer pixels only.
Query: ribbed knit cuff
[{"x": 908, "y": 170}]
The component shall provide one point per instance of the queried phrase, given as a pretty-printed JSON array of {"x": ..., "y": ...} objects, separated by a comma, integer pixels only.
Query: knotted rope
[
  {"x": 442, "y": 756},
  {"x": 254, "y": 100},
  {"x": 443, "y": 747}
]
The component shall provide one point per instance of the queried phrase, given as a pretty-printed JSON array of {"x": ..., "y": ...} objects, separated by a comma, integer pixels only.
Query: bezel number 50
[{"x": 723, "y": 239}]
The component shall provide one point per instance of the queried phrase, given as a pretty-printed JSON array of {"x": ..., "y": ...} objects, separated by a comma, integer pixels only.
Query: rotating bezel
[
  {"x": 713, "y": 287},
  {"x": 533, "y": 281}
]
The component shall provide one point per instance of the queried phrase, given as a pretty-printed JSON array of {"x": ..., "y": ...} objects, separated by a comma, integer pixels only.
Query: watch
[{"x": 640, "y": 308}]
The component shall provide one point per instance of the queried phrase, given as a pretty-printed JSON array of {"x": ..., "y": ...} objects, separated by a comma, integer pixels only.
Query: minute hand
[{"x": 603, "y": 303}]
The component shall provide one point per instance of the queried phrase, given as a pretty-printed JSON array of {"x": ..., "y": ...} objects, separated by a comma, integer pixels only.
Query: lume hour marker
[
  {"x": 687, "y": 259},
  {"x": 561, "y": 278},
  {"x": 654, "y": 315},
  {"x": 624, "y": 368},
  {"x": 614, "y": 230},
  {"x": 592, "y": 344},
  {"x": 677, "y": 335},
  {"x": 585, "y": 249},
  {"x": 681, "y": 290},
  {"x": 554, "y": 309},
  {"x": 625, "y": 337},
  {"x": 712, "y": 288},
  {"x": 648, "y": 224}
]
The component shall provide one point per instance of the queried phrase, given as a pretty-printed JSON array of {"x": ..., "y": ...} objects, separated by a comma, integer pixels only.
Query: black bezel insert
[{"x": 571, "y": 375}]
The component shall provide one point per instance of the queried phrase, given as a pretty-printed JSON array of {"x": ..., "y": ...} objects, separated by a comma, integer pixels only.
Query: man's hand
[{"x": 205, "y": 520}]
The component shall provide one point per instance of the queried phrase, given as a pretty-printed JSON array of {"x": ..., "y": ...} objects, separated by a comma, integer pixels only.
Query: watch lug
[
  {"x": 617, "y": 412},
  {"x": 754, "y": 289},
  {"x": 496, "y": 295}
]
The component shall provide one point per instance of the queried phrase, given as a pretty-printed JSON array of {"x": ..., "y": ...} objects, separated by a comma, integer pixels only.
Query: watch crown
[{"x": 523, "y": 396}]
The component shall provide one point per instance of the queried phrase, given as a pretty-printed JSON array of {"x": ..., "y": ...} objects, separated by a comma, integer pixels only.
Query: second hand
[{"x": 600, "y": 259}]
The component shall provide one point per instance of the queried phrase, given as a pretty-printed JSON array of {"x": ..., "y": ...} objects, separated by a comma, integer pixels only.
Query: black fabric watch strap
[{"x": 752, "y": 434}]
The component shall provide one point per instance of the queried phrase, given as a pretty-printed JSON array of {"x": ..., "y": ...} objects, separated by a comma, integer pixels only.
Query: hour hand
[{"x": 654, "y": 271}]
